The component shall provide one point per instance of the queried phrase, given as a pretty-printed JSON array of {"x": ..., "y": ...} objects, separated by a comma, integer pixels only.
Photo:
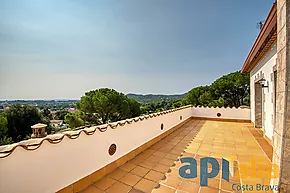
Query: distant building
[
  {"x": 72, "y": 110},
  {"x": 58, "y": 123},
  {"x": 53, "y": 113}
]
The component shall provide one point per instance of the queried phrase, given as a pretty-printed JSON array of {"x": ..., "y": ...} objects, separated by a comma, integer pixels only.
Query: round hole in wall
[
  {"x": 218, "y": 114},
  {"x": 112, "y": 149},
  {"x": 162, "y": 126},
  {"x": 180, "y": 117}
]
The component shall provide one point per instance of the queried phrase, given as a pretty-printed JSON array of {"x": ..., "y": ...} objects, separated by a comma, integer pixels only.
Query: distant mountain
[{"x": 155, "y": 97}]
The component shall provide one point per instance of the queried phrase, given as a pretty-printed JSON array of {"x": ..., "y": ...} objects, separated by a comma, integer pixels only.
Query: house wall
[
  {"x": 51, "y": 167},
  {"x": 281, "y": 154},
  {"x": 265, "y": 69}
]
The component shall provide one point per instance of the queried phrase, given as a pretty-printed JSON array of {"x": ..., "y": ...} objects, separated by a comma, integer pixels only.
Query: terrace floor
[{"x": 156, "y": 169}]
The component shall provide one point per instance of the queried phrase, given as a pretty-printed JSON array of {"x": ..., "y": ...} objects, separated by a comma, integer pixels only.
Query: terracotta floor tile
[
  {"x": 130, "y": 179},
  {"x": 194, "y": 180},
  {"x": 167, "y": 162},
  {"x": 127, "y": 167},
  {"x": 147, "y": 164},
  {"x": 190, "y": 150},
  {"x": 154, "y": 176},
  {"x": 163, "y": 189},
  {"x": 135, "y": 191},
  {"x": 189, "y": 187},
  {"x": 171, "y": 156},
  {"x": 208, "y": 190},
  {"x": 92, "y": 189},
  {"x": 196, "y": 138},
  {"x": 140, "y": 171},
  {"x": 149, "y": 151},
  {"x": 165, "y": 149},
  {"x": 117, "y": 174},
  {"x": 161, "y": 168},
  {"x": 226, "y": 185},
  {"x": 175, "y": 152},
  {"x": 159, "y": 153},
  {"x": 222, "y": 191},
  {"x": 145, "y": 185},
  {"x": 214, "y": 183},
  {"x": 119, "y": 187},
  {"x": 171, "y": 182},
  {"x": 186, "y": 154},
  {"x": 105, "y": 183},
  {"x": 174, "y": 172},
  {"x": 143, "y": 156},
  {"x": 136, "y": 161},
  {"x": 181, "y": 149},
  {"x": 154, "y": 158}
]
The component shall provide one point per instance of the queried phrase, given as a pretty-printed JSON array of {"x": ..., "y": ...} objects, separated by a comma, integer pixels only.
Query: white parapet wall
[
  {"x": 222, "y": 113},
  {"x": 57, "y": 161},
  {"x": 52, "y": 167}
]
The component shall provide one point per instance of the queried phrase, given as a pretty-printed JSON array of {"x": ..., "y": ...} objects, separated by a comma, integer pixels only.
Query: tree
[
  {"x": 229, "y": 90},
  {"x": 74, "y": 120},
  {"x": 4, "y": 139},
  {"x": 3, "y": 125},
  {"x": 260, "y": 24},
  {"x": 194, "y": 95},
  {"x": 46, "y": 113},
  {"x": 20, "y": 118},
  {"x": 134, "y": 108},
  {"x": 59, "y": 115},
  {"x": 233, "y": 87},
  {"x": 205, "y": 98},
  {"x": 144, "y": 110},
  {"x": 108, "y": 105}
]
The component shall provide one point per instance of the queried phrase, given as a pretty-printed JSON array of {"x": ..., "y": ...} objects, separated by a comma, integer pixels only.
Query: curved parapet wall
[
  {"x": 48, "y": 164},
  {"x": 241, "y": 113}
]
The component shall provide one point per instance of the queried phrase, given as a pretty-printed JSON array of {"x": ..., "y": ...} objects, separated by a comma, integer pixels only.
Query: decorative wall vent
[
  {"x": 218, "y": 114},
  {"x": 162, "y": 126},
  {"x": 112, "y": 149}
]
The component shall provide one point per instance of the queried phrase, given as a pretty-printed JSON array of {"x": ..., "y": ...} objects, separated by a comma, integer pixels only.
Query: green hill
[{"x": 155, "y": 97}]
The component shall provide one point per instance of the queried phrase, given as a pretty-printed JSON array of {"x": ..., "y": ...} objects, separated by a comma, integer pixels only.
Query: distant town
[{"x": 53, "y": 105}]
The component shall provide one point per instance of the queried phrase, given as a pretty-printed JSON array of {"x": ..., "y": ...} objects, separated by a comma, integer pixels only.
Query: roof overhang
[{"x": 265, "y": 39}]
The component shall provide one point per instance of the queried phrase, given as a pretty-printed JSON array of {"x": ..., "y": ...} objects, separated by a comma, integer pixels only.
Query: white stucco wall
[
  {"x": 265, "y": 66},
  {"x": 52, "y": 167},
  {"x": 226, "y": 113}
]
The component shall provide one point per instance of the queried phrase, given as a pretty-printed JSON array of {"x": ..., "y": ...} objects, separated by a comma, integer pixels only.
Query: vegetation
[
  {"x": 74, "y": 120},
  {"x": 59, "y": 115},
  {"x": 107, "y": 105},
  {"x": 42, "y": 104},
  {"x": 260, "y": 24},
  {"x": 155, "y": 98},
  {"x": 151, "y": 107},
  {"x": 230, "y": 90}
]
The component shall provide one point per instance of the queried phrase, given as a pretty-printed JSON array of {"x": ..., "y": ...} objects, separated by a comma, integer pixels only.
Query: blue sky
[{"x": 62, "y": 48}]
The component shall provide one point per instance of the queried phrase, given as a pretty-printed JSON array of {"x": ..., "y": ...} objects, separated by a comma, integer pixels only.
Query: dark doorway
[{"x": 275, "y": 96}]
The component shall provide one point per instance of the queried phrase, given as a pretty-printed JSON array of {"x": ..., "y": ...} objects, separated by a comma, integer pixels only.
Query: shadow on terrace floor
[{"x": 156, "y": 169}]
